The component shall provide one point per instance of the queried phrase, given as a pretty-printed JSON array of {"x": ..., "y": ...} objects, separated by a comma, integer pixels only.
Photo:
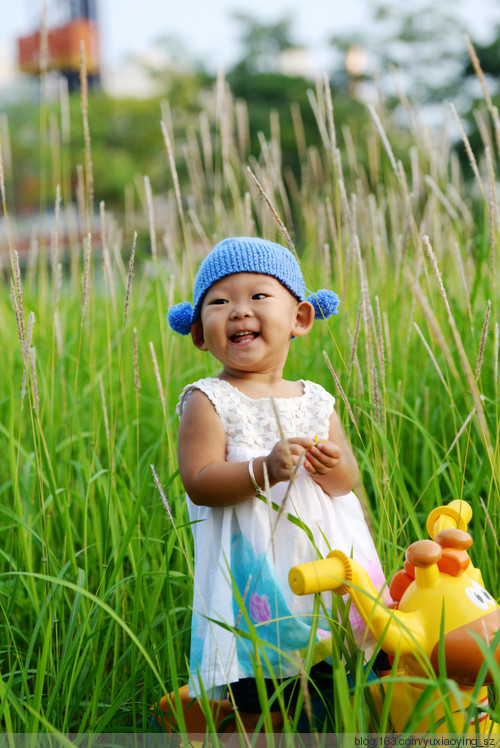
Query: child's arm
[
  {"x": 332, "y": 464},
  {"x": 211, "y": 481}
]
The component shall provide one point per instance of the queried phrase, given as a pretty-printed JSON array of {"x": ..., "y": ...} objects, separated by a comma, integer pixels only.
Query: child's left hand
[
  {"x": 322, "y": 458},
  {"x": 331, "y": 463}
]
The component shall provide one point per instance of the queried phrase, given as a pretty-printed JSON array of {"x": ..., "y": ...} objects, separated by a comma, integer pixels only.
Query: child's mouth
[{"x": 245, "y": 336}]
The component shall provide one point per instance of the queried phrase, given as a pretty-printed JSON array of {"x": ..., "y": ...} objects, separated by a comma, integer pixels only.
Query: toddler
[{"x": 243, "y": 427}]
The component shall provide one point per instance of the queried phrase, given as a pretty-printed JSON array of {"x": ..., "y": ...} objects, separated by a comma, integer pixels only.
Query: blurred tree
[
  {"x": 126, "y": 143},
  {"x": 262, "y": 43},
  {"x": 126, "y": 138},
  {"x": 481, "y": 127},
  {"x": 168, "y": 60},
  {"x": 257, "y": 79},
  {"x": 422, "y": 41},
  {"x": 489, "y": 60}
]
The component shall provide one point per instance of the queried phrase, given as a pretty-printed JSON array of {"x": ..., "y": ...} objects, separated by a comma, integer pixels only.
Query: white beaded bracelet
[{"x": 251, "y": 473}]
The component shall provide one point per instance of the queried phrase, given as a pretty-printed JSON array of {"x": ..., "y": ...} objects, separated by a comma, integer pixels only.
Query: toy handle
[
  {"x": 456, "y": 514},
  {"x": 330, "y": 573}
]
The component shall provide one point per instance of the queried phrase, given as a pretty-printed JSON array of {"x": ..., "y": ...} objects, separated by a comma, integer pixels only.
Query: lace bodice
[{"x": 253, "y": 423}]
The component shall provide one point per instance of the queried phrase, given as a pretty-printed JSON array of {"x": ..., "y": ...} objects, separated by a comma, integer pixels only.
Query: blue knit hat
[{"x": 243, "y": 254}]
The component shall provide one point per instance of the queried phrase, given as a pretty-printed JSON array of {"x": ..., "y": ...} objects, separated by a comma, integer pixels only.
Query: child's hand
[
  {"x": 323, "y": 457},
  {"x": 283, "y": 458}
]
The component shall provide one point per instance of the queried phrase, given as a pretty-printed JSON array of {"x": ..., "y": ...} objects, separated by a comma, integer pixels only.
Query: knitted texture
[{"x": 248, "y": 255}]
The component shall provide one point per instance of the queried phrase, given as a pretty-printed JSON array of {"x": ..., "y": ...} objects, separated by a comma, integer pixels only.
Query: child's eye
[
  {"x": 258, "y": 296},
  {"x": 218, "y": 301}
]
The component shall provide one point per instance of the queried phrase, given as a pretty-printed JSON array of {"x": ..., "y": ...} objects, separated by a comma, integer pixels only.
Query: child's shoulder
[
  {"x": 316, "y": 390},
  {"x": 212, "y": 387}
]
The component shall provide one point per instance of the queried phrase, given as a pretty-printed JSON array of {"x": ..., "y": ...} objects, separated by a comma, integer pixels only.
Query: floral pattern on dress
[
  {"x": 271, "y": 618},
  {"x": 260, "y": 610}
]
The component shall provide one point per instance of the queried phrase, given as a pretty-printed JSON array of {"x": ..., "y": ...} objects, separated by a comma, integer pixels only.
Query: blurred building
[{"x": 56, "y": 44}]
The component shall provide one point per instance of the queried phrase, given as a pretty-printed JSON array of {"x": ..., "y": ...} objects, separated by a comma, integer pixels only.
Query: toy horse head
[
  {"x": 441, "y": 589},
  {"x": 441, "y": 608}
]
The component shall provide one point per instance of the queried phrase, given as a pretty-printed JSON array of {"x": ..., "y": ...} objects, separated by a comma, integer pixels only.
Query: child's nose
[{"x": 240, "y": 310}]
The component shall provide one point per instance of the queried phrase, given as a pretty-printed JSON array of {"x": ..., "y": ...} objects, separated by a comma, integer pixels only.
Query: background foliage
[{"x": 96, "y": 556}]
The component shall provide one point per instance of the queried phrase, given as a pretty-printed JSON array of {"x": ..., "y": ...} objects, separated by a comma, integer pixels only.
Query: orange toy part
[
  {"x": 399, "y": 584},
  {"x": 195, "y": 720},
  {"x": 443, "y": 613},
  {"x": 453, "y": 562},
  {"x": 194, "y": 716},
  {"x": 410, "y": 569}
]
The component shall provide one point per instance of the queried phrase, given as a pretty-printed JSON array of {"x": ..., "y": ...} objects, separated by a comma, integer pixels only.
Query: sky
[{"x": 129, "y": 27}]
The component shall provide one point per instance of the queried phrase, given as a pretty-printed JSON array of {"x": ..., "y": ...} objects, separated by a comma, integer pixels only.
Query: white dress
[{"x": 243, "y": 553}]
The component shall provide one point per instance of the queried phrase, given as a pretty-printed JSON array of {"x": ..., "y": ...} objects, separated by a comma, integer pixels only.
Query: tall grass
[{"x": 95, "y": 576}]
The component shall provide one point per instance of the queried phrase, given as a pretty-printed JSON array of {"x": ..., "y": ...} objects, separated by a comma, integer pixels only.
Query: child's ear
[
  {"x": 198, "y": 336},
  {"x": 304, "y": 319}
]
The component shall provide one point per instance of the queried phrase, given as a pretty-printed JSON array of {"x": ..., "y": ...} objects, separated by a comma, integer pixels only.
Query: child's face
[{"x": 247, "y": 321}]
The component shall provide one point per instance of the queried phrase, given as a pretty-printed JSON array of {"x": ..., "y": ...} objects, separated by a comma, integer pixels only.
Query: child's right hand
[{"x": 284, "y": 456}]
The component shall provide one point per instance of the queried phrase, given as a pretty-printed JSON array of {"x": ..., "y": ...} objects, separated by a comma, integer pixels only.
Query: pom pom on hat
[
  {"x": 325, "y": 303},
  {"x": 180, "y": 317}
]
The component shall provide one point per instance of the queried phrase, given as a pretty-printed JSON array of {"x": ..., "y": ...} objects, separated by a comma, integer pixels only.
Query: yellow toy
[{"x": 441, "y": 613}]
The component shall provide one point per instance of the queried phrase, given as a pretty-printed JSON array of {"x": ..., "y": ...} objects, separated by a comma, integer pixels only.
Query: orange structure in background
[
  {"x": 63, "y": 48},
  {"x": 64, "y": 44}
]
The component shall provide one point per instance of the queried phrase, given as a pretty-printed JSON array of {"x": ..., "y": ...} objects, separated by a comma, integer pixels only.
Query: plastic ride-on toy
[{"x": 442, "y": 619}]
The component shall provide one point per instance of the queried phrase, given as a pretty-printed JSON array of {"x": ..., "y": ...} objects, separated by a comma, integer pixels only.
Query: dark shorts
[{"x": 245, "y": 697}]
